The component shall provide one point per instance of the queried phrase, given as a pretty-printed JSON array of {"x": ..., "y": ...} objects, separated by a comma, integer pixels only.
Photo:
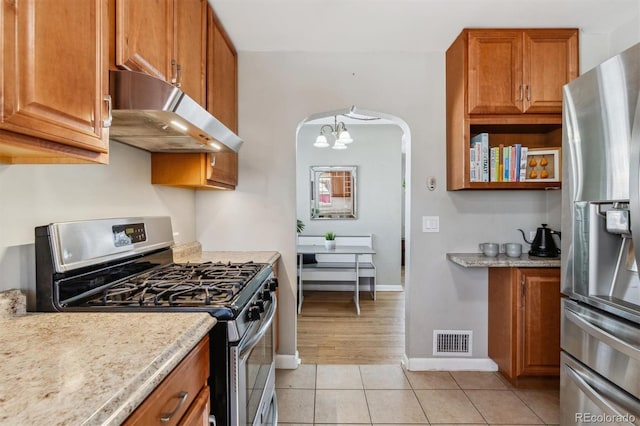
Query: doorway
[{"x": 328, "y": 329}]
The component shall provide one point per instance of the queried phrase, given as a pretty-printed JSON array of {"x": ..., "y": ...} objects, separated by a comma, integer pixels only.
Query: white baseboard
[
  {"x": 449, "y": 364},
  {"x": 288, "y": 362},
  {"x": 349, "y": 287}
]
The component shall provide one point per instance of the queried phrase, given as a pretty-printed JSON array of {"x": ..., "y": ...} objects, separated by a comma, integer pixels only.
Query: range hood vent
[{"x": 156, "y": 116}]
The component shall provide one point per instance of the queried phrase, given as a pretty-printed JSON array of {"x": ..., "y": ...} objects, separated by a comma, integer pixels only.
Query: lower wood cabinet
[
  {"x": 524, "y": 322},
  {"x": 195, "y": 170},
  {"x": 183, "y": 396}
]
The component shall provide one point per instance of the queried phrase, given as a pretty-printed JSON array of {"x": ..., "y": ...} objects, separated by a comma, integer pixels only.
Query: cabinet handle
[
  {"x": 166, "y": 417},
  {"x": 174, "y": 71},
  {"x": 522, "y": 288},
  {"x": 521, "y": 93},
  {"x": 213, "y": 160},
  {"x": 528, "y": 93},
  {"x": 178, "y": 75},
  {"x": 107, "y": 123}
]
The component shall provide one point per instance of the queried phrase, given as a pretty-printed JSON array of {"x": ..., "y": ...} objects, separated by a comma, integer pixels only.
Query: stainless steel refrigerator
[{"x": 600, "y": 337}]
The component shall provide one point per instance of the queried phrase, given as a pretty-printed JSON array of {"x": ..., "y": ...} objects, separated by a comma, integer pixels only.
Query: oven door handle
[{"x": 266, "y": 323}]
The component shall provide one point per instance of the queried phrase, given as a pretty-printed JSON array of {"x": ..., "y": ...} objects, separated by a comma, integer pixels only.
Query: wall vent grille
[{"x": 452, "y": 342}]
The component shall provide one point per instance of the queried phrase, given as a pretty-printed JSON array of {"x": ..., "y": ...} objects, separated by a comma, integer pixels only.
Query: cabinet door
[
  {"x": 222, "y": 168},
  {"x": 550, "y": 62},
  {"x": 191, "y": 39},
  {"x": 144, "y": 37},
  {"x": 539, "y": 321},
  {"x": 222, "y": 91},
  {"x": 53, "y": 72},
  {"x": 495, "y": 72}
]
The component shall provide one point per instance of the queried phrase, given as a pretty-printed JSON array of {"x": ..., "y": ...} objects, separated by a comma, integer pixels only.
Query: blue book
[{"x": 507, "y": 163}]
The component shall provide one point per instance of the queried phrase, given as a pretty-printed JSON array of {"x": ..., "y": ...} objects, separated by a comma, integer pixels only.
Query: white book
[
  {"x": 523, "y": 163},
  {"x": 483, "y": 140}
]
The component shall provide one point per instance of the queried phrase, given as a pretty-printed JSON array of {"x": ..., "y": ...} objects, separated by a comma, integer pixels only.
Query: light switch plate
[{"x": 430, "y": 223}]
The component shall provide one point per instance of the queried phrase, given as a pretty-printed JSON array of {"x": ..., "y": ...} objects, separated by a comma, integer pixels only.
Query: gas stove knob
[
  {"x": 260, "y": 304},
  {"x": 266, "y": 295},
  {"x": 253, "y": 314},
  {"x": 273, "y": 284}
]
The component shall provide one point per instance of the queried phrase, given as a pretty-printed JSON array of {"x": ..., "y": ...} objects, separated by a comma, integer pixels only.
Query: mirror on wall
[{"x": 333, "y": 192}]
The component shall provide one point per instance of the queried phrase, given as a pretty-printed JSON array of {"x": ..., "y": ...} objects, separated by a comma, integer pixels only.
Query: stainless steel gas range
[{"x": 126, "y": 265}]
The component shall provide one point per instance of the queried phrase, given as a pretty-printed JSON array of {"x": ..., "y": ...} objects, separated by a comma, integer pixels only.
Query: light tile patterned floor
[{"x": 387, "y": 394}]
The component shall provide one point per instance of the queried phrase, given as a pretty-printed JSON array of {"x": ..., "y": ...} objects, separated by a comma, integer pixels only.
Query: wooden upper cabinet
[
  {"x": 195, "y": 170},
  {"x": 166, "y": 39},
  {"x": 506, "y": 83},
  {"x": 550, "y": 61},
  {"x": 222, "y": 75},
  {"x": 520, "y": 71},
  {"x": 144, "y": 37},
  {"x": 191, "y": 44},
  {"x": 54, "y": 82},
  {"x": 495, "y": 72}
]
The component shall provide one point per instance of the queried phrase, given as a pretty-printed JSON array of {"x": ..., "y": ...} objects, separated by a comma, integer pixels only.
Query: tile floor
[{"x": 387, "y": 394}]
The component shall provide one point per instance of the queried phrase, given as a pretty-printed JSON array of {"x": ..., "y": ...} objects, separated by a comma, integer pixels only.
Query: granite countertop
[
  {"x": 192, "y": 252},
  {"x": 89, "y": 368},
  {"x": 479, "y": 260}
]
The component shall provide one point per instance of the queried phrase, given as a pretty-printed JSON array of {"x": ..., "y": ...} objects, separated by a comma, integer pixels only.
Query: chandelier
[{"x": 338, "y": 132}]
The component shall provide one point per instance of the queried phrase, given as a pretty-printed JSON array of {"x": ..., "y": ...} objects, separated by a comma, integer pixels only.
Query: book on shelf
[
  {"x": 523, "y": 163},
  {"x": 502, "y": 163},
  {"x": 480, "y": 148},
  {"x": 506, "y": 156}
]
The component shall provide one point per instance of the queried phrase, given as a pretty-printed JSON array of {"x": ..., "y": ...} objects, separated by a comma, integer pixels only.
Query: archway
[{"x": 371, "y": 213}]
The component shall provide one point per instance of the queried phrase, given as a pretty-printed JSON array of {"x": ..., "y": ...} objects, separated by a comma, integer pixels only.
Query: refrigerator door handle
[
  {"x": 634, "y": 178},
  {"x": 603, "y": 335},
  {"x": 607, "y": 405}
]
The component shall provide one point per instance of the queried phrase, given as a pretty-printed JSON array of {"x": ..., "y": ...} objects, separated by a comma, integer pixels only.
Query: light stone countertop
[
  {"x": 89, "y": 368},
  {"x": 192, "y": 252},
  {"x": 95, "y": 368},
  {"x": 479, "y": 260}
]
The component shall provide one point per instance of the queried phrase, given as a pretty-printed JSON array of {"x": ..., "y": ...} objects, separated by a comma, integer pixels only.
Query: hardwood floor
[{"x": 330, "y": 332}]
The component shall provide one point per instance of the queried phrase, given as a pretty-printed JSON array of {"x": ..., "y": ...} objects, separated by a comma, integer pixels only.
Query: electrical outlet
[{"x": 532, "y": 235}]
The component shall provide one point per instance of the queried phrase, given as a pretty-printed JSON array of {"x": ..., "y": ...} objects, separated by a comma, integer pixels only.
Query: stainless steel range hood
[{"x": 156, "y": 116}]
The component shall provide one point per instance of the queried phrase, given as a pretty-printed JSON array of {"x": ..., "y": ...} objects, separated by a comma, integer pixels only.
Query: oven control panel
[{"x": 126, "y": 235}]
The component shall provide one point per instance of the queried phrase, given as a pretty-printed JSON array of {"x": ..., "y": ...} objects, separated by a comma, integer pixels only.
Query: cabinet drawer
[{"x": 173, "y": 397}]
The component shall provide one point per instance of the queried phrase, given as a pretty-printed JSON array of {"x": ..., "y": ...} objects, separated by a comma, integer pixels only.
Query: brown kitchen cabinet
[
  {"x": 195, "y": 170},
  {"x": 518, "y": 71},
  {"x": 508, "y": 83},
  {"x": 222, "y": 74},
  {"x": 182, "y": 398},
  {"x": 524, "y": 322},
  {"x": 54, "y": 104},
  {"x": 166, "y": 39}
]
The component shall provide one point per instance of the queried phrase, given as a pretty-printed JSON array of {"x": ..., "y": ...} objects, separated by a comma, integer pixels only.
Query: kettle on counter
[{"x": 543, "y": 244}]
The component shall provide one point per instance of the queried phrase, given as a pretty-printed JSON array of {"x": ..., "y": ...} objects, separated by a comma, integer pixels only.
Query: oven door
[{"x": 253, "y": 367}]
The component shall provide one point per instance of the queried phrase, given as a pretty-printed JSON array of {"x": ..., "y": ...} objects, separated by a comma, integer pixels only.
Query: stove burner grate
[{"x": 203, "y": 284}]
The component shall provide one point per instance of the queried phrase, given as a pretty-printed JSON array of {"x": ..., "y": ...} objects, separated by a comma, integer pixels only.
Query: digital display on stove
[{"x": 125, "y": 235}]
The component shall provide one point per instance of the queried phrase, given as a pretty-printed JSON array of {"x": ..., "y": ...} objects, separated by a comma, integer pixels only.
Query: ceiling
[{"x": 400, "y": 25}]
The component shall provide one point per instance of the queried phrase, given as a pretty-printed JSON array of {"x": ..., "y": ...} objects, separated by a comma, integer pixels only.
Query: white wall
[
  {"x": 278, "y": 90},
  {"x": 33, "y": 195},
  {"x": 377, "y": 154},
  {"x": 261, "y": 213}
]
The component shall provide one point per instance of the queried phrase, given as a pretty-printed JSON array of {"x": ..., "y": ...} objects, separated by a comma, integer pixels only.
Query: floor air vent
[{"x": 452, "y": 342}]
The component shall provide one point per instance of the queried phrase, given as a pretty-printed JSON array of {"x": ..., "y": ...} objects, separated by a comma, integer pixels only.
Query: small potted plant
[{"x": 330, "y": 240}]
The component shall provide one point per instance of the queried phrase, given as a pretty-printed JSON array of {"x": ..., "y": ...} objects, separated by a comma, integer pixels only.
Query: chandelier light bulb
[
  {"x": 339, "y": 145},
  {"x": 321, "y": 142},
  {"x": 345, "y": 137}
]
